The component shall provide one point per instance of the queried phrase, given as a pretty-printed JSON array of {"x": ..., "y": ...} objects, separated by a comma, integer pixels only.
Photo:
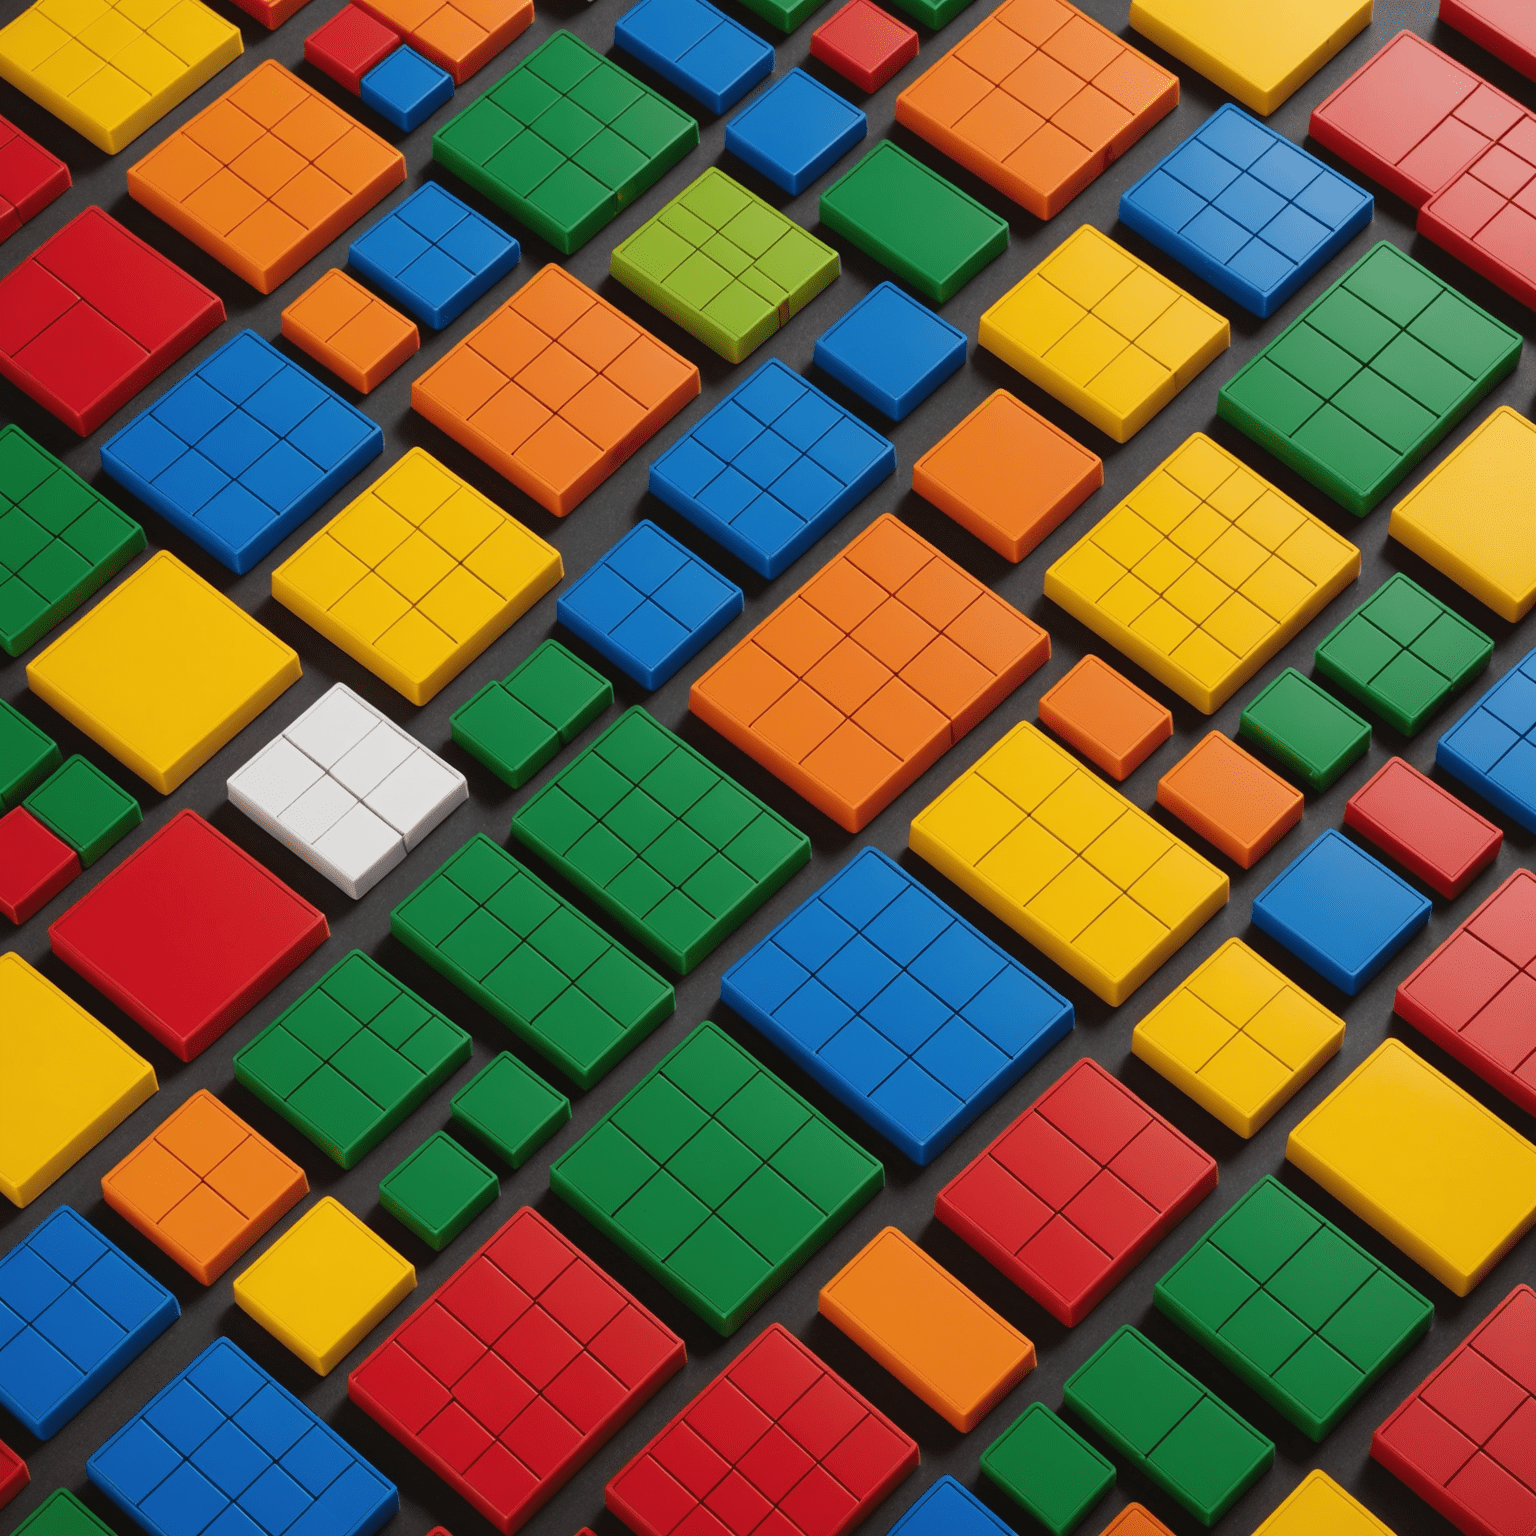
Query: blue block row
[
  {"x": 696, "y": 47},
  {"x": 795, "y": 130},
  {"x": 406, "y": 88},
  {"x": 1492, "y": 748},
  {"x": 891, "y": 350},
  {"x": 950, "y": 1508}
]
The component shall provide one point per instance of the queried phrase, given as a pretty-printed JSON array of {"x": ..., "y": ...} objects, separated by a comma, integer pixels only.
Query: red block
[
  {"x": 864, "y": 44},
  {"x": 512, "y": 1374},
  {"x": 30, "y": 178},
  {"x": 92, "y": 315},
  {"x": 1506, "y": 28},
  {"x": 350, "y": 44},
  {"x": 187, "y": 934},
  {"x": 1476, "y": 995},
  {"x": 777, "y": 1445},
  {"x": 13, "y": 1474},
  {"x": 1071, "y": 1197},
  {"x": 34, "y": 864}
]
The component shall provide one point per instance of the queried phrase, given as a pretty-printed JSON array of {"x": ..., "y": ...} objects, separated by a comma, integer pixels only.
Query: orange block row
[
  {"x": 349, "y": 330},
  {"x": 457, "y": 35}
]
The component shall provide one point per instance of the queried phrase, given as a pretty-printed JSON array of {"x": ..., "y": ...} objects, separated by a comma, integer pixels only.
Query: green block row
[
  {"x": 28, "y": 754},
  {"x": 82, "y": 807},
  {"x": 438, "y": 1190},
  {"x": 1306, "y": 728},
  {"x": 1047, "y": 1468},
  {"x": 509, "y": 1108}
]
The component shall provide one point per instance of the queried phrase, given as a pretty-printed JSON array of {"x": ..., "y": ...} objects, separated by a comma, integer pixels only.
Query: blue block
[
  {"x": 696, "y": 47},
  {"x": 795, "y": 130},
  {"x": 649, "y": 604},
  {"x": 74, "y": 1310},
  {"x": 896, "y": 1005},
  {"x": 1244, "y": 208},
  {"x": 1492, "y": 748},
  {"x": 433, "y": 255},
  {"x": 406, "y": 88},
  {"x": 225, "y": 1450},
  {"x": 950, "y": 1509},
  {"x": 1341, "y": 911},
  {"x": 772, "y": 468},
  {"x": 891, "y": 350},
  {"x": 242, "y": 450}
]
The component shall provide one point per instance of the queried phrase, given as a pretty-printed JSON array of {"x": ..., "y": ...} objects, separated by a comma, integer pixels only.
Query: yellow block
[
  {"x": 1421, "y": 1160},
  {"x": 1203, "y": 573},
  {"x": 324, "y": 1284},
  {"x": 1319, "y": 1507},
  {"x": 163, "y": 672},
  {"x": 1088, "y": 878},
  {"x": 418, "y": 576},
  {"x": 112, "y": 68},
  {"x": 65, "y": 1081},
  {"x": 1474, "y": 517},
  {"x": 1238, "y": 1037},
  {"x": 1106, "y": 334}
]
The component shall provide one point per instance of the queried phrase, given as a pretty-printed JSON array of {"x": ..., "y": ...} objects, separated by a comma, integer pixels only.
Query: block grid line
[{"x": 1492, "y": 748}]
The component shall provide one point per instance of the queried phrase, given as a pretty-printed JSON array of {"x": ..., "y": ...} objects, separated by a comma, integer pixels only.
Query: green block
[
  {"x": 62, "y": 1514},
  {"x": 933, "y": 13},
  {"x": 1048, "y": 1468},
  {"x": 352, "y": 1058},
  {"x": 1291, "y": 1306},
  {"x": 564, "y": 141},
  {"x": 726, "y": 266},
  {"x": 669, "y": 846},
  {"x": 510, "y": 1108},
  {"x": 910, "y": 219},
  {"x": 438, "y": 1190},
  {"x": 1168, "y": 1426},
  {"x": 786, "y": 15},
  {"x": 532, "y": 961},
  {"x": 81, "y": 806},
  {"x": 1307, "y": 729},
  {"x": 1356, "y": 390},
  {"x": 716, "y": 1177},
  {"x": 27, "y": 756}
]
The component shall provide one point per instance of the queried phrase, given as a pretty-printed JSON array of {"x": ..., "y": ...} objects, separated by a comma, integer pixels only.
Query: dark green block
[
  {"x": 933, "y": 13},
  {"x": 672, "y": 848},
  {"x": 716, "y": 1177},
  {"x": 1290, "y": 1305},
  {"x": 62, "y": 1514},
  {"x": 438, "y": 1190},
  {"x": 27, "y": 756},
  {"x": 786, "y": 15},
  {"x": 510, "y": 1108},
  {"x": 1048, "y": 1468},
  {"x": 1314, "y": 735},
  {"x": 82, "y": 806}
]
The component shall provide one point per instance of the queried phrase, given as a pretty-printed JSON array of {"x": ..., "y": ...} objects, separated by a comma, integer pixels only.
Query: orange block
[
  {"x": 1037, "y": 100},
  {"x": 204, "y": 1186},
  {"x": 457, "y": 35},
  {"x": 1008, "y": 475},
  {"x": 926, "y": 1329},
  {"x": 865, "y": 677},
  {"x": 1134, "y": 1520},
  {"x": 267, "y": 176},
  {"x": 556, "y": 389},
  {"x": 1106, "y": 717},
  {"x": 349, "y": 330},
  {"x": 1231, "y": 799}
]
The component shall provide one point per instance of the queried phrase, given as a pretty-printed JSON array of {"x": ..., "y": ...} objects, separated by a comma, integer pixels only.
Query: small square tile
[
  {"x": 509, "y": 1108},
  {"x": 406, "y": 88},
  {"x": 891, "y": 350},
  {"x": 864, "y": 44},
  {"x": 794, "y": 131},
  {"x": 438, "y": 1190},
  {"x": 1305, "y": 728}
]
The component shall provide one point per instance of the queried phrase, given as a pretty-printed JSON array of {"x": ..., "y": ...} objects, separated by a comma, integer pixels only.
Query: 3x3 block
[{"x": 1492, "y": 748}]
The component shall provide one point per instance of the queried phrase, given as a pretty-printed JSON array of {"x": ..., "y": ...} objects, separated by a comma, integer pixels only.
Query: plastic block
[
  {"x": 457, "y": 35},
  {"x": 648, "y": 604},
  {"x": 34, "y": 865},
  {"x": 723, "y": 264},
  {"x": 864, "y": 44},
  {"x": 81, "y": 805},
  {"x": 860, "y": 681},
  {"x": 27, "y": 756},
  {"x": 350, "y": 44},
  {"x": 14, "y": 1476},
  {"x": 777, "y": 1442},
  {"x": 949, "y": 1508},
  {"x": 1353, "y": 393},
  {"x": 1476, "y": 994},
  {"x": 355, "y": 1055},
  {"x": 1037, "y": 101},
  {"x": 1245, "y": 209},
  {"x": 1423, "y": 827},
  {"x": 345, "y": 328},
  {"x": 1088, "y": 878},
  {"x": 1077, "y": 1191},
  {"x": 564, "y": 140},
  {"x": 1492, "y": 748},
  {"x": 186, "y": 1454},
  {"x": 795, "y": 130},
  {"x": 510, "y": 1109},
  {"x": 76, "y": 1311},
  {"x": 518, "y": 724},
  {"x": 1471, "y": 516},
  {"x": 271, "y": 13},
  {"x": 1319, "y": 1504},
  {"x": 1106, "y": 717},
  {"x": 62, "y": 1514},
  {"x": 1048, "y": 1469},
  {"x": 532, "y": 961},
  {"x": 30, "y": 179},
  {"x": 406, "y": 88},
  {"x": 674, "y": 850},
  {"x": 305, "y": 152},
  {"x": 438, "y": 1190},
  {"x": 891, "y": 350},
  {"x": 1314, "y": 736},
  {"x": 1293, "y": 1308},
  {"x": 896, "y": 1005},
  {"x": 716, "y": 1178},
  {"x": 68, "y": 1081},
  {"x": 912, "y": 221},
  {"x": 1135, "y": 1520},
  {"x": 516, "y": 1370},
  {"x": 187, "y": 934},
  {"x": 696, "y": 47},
  {"x": 555, "y": 389},
  {"x": 1506, "y": 28}
]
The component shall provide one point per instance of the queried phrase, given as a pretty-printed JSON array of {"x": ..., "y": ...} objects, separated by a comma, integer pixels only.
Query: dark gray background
[{"x": 1103, "y": 1032}]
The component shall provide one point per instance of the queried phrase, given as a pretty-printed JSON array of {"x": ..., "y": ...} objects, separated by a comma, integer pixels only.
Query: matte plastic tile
[
  {"x": 406, "y": 88},
  {"x": 27, "y": 756},
  {"x": 891, "y": 350},
  {"x": 30, "y": 179},
  {"x": 864, "y": 44},
  {"x": 81, "y": 805},
  {"x": 1319, "y": 1504},
  {"x": 344, "y": 327},
  {"x": 1135, "y": 1520},
  {"x": 62, "y": 1514},
  {"x": 458, "y": 35},
  {"x": 1305, "y": 728},
  {"x": 1506, "y": 28},
  {"x": 1048, "y": 1469},
  {"x": 271, "y": 13},
  {"x": 1106, "y": 717},
  {"x": 34, "y": 865},
  {"x": 1492, "y": 748},
  {"x": 696, "y": 47},
  {"x": 438, "y": 1190},
  {"x": 949, "y": 1508},
  {"x": 14, "y": 1476},
  {"x": 509, "y": 1108},
  {"x": 349, "y": 45},
  {"x": 795, "y": 130}
]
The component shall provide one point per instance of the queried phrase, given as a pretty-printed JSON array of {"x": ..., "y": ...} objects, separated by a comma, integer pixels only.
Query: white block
[
  {"x": 332, "y": 726},
  {"x": 359, "y": 851},
  {"x": 418, "y": 795}
]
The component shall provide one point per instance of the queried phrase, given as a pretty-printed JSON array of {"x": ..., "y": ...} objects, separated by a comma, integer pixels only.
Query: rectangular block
[
  {"x": 1492, "y": 748},
  {"x": 949, "y": 1508},
  {"x": 1305, "y": 728},
  {"x": 1231, "y": 799},
  {"x": 1048, "y": 1469},
  {"x": 14, "y": 1475},
  {"x": 457, "y": 35},
  {"x": 696, "y": 47},
  {"x": 1504, "y": 27},
  {"x": 343, "y": 327},
  {"x": 1106, "y": 717},
  {"x": 34, "y": 865},
  {"x": 30, "y": 179}
]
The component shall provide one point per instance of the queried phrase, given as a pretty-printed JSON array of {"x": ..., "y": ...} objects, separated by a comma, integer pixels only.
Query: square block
[
  {"x": 62, "y": 1514},
  {"x": 648, "y": 604},
  {"x": 896, "y": 1005},
  {"x": 1306, "y": 728},
  {"x": 75, "y": 1311},
  {"x": 406, "y": 89},
  {"x": 891, "y": 351},
  {"x": 1037, "y": 100},
  {"x": 1293, "y": 1308},
  {"x": 532, "y": 961},
  {"x": 457, "y": 35},
  {"x": 795, "y": 130},
  {"x": 266, "y": 177},
  {"x": 1135, "y": 1520},
  {"x": 1506, "y": 28},
  {"x": 438, "y": 1190},
  {"x": 203, "y": 1187},
  {"x": 34, "y": 865},
  {"x": 516, "y": 1370},
  {"x": 271, "y": 13},
  {"x": 30, "y": 179},
  {"x": 716, "y": 1178},
  {"x": 696, "y": 47},
  {"x": 1106, "y": 334},
  {"x": 860, "y": 681},
  {"x": 555, "y": 389},
  {"x": 28, "y": 755},
  {"x": 864, "y": 44},
  {"x": 726, "y": 266},
  {"x": 187, "y": 934},
  {"x": 348, "y": 1061},
  {"x": 949, "y": 1508},
  {"x": 1492, "y": 748},
  {"x": 81, "y": 805},
  {"x": 1357, "y": 389},
  {"x": 350, "y": 44},
  {"x": 14, "y": 1476},
  {"x": 1106, "y": 717},
  {"x": 1319, "y": 1504},
  {"x": 1048, "y": 1469},
  {"x": 345, "y": 328},
  {"x": 68, "y": 1081},
  {"x": 509, "y": 1108}
]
